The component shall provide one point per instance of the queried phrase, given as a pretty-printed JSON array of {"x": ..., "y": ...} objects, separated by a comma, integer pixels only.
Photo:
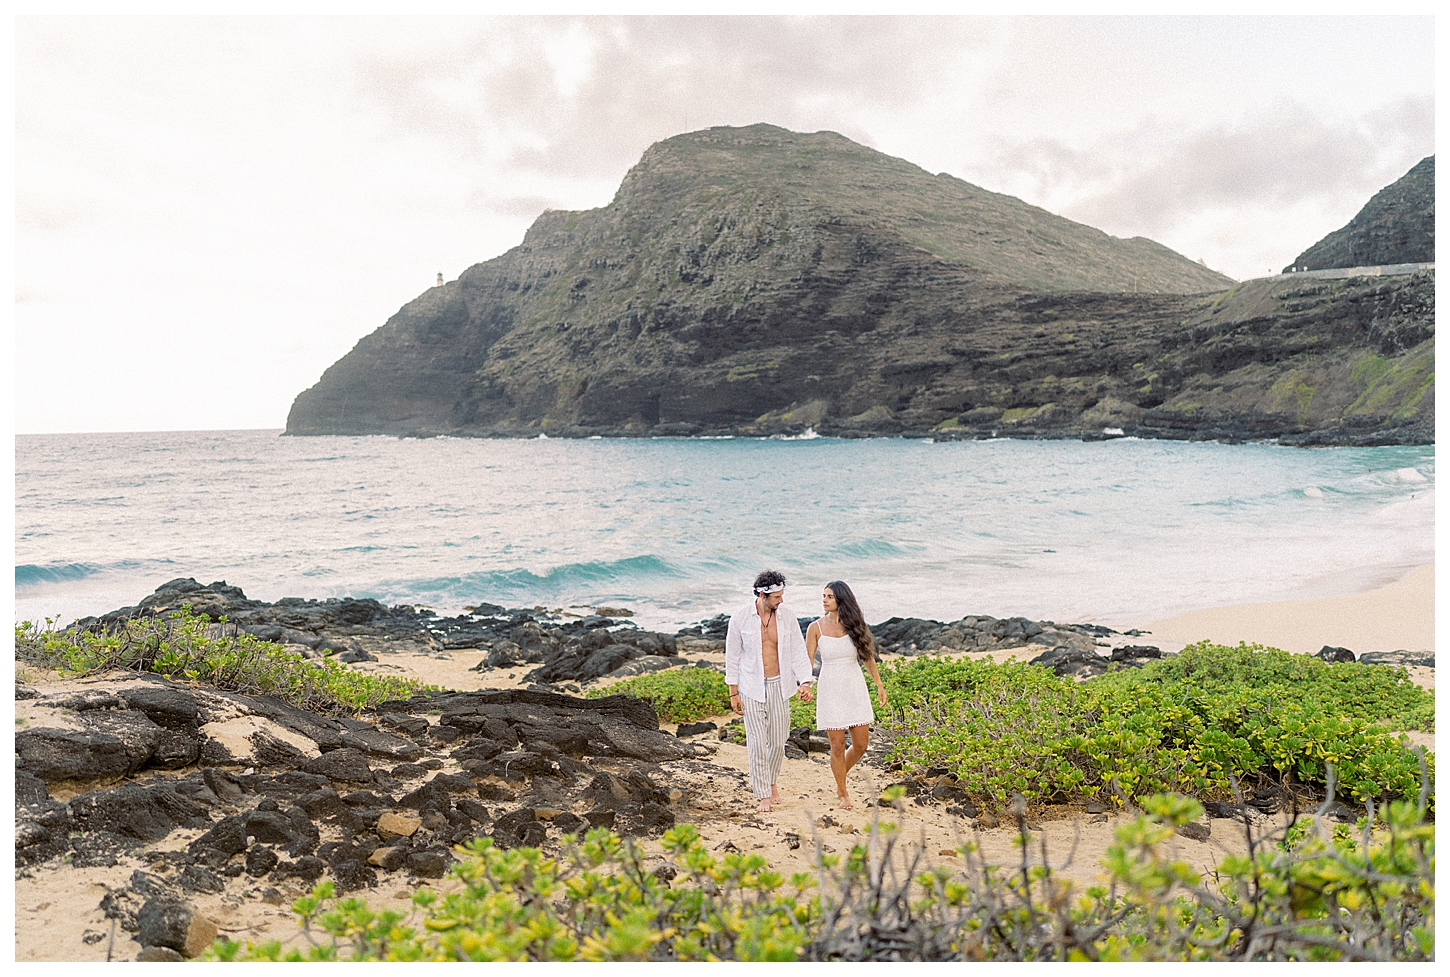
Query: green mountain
[
  {"x": 1396, "y": 227},
  {"x": 755, "y": 280}
]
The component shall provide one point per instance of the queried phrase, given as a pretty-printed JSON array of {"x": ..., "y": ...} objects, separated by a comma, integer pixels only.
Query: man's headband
[{"x": 774, "y": 588}]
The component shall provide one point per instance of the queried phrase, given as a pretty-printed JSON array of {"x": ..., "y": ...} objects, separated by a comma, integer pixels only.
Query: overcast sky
[{"x": 209, "y": 212}]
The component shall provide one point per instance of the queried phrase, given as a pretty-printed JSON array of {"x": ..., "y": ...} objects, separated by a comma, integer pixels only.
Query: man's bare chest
[{"x": 769, "y": 636}]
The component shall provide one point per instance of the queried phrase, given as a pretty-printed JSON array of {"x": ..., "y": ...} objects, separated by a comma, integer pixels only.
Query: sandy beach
[{"x": 1400, "y": 615}]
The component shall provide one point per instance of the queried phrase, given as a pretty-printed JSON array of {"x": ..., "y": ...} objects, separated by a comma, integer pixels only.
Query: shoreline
[
  {"x": 1395, "y": 616},
  {"x": 1399, "y": 615},
  {"x": 1398, "y": 436}
]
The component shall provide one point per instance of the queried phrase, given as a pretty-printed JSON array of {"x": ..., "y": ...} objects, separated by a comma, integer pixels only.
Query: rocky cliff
[
  {"x": 1397, "y": 226},
  {"x": 758, "y": 281}
]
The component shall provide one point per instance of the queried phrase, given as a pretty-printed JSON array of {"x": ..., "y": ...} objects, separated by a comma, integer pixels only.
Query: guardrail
[{"x": 1365, "y": 271}]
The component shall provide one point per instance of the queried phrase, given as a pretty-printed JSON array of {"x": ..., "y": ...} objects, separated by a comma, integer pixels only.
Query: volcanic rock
[
  {"x": 1401, "y": 657},
  {"x": 228, "y": 836},
  {"x": 346, "y": 765},
  {"x": 645, "y": 664},
  {"x": 1198, "y": 830},
  {"x": 429, "y": 863},
  {"x": 133, "y": 811},
  {"x": 1074, "y": 663},
  {"x": 520, "y": 827},
  {"x": 1135, "y": 654},
  {"x": 260, "y": 860},
  {"x": 389, "y": 859},
  {"x": 109, "y": 745},
  {"x": 353, "y": 874}
]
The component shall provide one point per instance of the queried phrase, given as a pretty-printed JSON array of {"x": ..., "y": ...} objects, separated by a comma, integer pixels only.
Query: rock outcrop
[
  {"x": 383, "y": 799},
  {"x": 758, "y": 281},
  {"x": 147, "y": 725},
  {"x": 1397, "y": 226},
  {"x": 340, "y": 626}
]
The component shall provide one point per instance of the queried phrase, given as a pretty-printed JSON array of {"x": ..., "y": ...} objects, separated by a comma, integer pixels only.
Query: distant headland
[{"x": 757, "y": 281}]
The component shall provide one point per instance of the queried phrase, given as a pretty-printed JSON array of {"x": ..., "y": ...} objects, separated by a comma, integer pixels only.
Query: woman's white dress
[{"x": 841, "y": 697}]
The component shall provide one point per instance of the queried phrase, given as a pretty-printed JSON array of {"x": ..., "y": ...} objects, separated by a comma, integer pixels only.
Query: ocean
[{"x": 1119, "y": 532}]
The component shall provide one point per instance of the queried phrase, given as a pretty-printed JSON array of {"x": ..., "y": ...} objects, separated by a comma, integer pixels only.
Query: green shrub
[
  {"x": 596, "y": 902},
  {"x": 179, "y": 647},
  {"x": 1191, "y": 724},
  {"x": 1316, "y": 895},
  {"x": 680, "y": 695},
  {"x": 1373, "y": 693}
]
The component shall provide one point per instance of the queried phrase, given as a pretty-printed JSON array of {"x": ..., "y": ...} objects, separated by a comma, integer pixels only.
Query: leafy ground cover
[
  {"x": 183, "y": 647},
  {"x": 1313, "y": 894},
  {"x": 680, "y": 695},
  {"x": 1192, "y": 723}
]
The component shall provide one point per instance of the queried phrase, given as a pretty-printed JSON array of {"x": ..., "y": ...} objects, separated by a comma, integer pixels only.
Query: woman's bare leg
[
  {"x": 839, "y": 766},
  {"x": 860, "y": 736}
]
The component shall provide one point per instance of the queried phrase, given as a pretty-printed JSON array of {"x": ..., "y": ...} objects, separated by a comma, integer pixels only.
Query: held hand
[{"x": 806, "y": 693}]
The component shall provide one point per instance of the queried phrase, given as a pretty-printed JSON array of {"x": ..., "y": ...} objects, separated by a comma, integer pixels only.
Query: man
[{"x": 762, "y": 635}]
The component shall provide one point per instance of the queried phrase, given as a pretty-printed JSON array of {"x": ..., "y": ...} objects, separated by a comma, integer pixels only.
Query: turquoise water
[{"x": 1120, "y": 532}]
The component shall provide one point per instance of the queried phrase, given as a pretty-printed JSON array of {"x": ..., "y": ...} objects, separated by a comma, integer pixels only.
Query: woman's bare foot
[
  {"x": 764, "y": 806},
  {"x": 845, "y": 801}
]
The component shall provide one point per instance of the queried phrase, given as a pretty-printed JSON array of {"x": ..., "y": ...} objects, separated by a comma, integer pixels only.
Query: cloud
[
  {"x": 59, "y": 212},
  {"x": 1151, "y": 180},
  {"x": 278, "y": 177},
  {"x": 583, "y": 97},
  {"x": 529, "y": 207}
]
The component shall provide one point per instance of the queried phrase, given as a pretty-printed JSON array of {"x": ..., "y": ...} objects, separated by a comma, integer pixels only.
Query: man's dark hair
[{"x": 769, "y": 578}]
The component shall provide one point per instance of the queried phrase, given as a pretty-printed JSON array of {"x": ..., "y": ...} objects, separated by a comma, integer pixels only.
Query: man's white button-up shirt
[{"x": 744, "y": 657}]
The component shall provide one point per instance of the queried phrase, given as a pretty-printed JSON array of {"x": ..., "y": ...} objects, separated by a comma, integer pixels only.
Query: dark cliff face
[
  {"x": 759, "y": 281},
  {"x": 1397, "y": 226}
]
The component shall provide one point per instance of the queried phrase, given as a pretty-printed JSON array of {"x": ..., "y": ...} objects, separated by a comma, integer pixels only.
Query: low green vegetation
[
  {"x": 180, "y": 647},
  {"x": 1317, "y": 894},
  {"x": 1195, "y": 723},
  {"x": 1396, "y": 386},
  {"x": 1292, "y": 395},
  {"x": 680, "y": 695}
]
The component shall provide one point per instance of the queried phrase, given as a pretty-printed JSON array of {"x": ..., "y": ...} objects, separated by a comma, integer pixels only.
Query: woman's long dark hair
[{"x": 849, "y": 611}]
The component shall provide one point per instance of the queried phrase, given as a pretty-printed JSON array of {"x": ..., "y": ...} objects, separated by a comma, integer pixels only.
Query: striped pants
[{"x": 767, "y": 724}]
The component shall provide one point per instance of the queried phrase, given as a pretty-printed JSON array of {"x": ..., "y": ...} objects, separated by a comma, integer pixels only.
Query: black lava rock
[
  {"x": 428, "y": 863},
  {"x": 353, "y": 874}
]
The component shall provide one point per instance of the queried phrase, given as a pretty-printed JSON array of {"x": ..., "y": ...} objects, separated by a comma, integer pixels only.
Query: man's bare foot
[
  {"x": 775, "y": 797},
  {"x": 764, "y": 806}
]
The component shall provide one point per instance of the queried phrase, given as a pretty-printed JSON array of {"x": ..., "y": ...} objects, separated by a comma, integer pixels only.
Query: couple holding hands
[{"x": 765, "y": 655}]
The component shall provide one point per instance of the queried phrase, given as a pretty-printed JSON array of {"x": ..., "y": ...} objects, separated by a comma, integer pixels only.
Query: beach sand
[
  {"x": 1398, "y": 616},
  {"x": 56, "y": 906}
]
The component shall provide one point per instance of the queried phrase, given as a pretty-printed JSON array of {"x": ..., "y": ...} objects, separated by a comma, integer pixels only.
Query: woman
[{"x": 842, "y": 701}]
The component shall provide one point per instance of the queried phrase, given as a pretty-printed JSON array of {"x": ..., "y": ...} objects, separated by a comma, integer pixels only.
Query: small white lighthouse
[{"x": 440, "y": 278}]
